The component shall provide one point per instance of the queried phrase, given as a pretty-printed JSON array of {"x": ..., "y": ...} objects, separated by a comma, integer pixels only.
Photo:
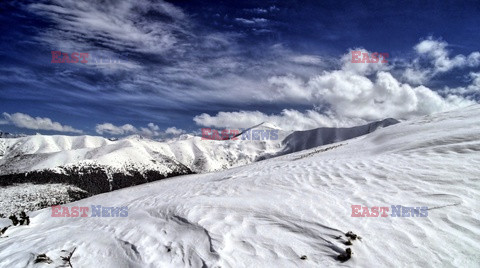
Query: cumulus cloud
[
  {"x": 288, "y": 119},
  {"x": 362, "y": 68},
  {"x": 434, "y": 58},
  {"x": 473, "y": 60},
  {"x": 416, "y": 75},
  {"x": 437, "y": 52},
  {"x": 174, "y": 131},
  {"x": 354, "y": 93},
  {"x": 109, "y": 128},
  {"x": 38, "y": 123},
  {"x": 365, "y": 91},
  {"x": 151, "y": 130}
]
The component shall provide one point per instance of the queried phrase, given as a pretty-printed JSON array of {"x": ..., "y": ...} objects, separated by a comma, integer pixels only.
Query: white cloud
[
  {"x": 434, "y": 58},
  {"x": 257, "y": 10},
  {"x": 363, "y": 68},
  {"x": 108, "y": 128},
  {"x": 473, "y": 60},
  {"x": 416, "y": 76},
  {"x": 153, "y": 126},
  {"x": 151, "y": 130},
  {"x": 354, "y": 93},
  {"x": 353, "y": 99},
  {"x": 38, "y": 123},
  {"x": 306, "y": 59},
  {"x": 273, "y": 8},
  {"x": 117, "y": 24},
  {"x": 251, "y": 21},
  {"x": 473, "y": 88},
  {"x": 357, "y": 96},
  {"x": 437, "y": 52},
  {"x": 174, "y": 131},
  {"x": 287, "y": 120}
]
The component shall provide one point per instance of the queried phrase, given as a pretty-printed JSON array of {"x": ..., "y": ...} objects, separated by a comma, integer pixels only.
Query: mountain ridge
[{"x": 95, "y": 165}]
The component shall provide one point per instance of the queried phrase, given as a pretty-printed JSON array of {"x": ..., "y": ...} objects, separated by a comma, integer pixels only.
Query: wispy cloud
[
  {"x": 306, "y": 59},
  {"x": 262, "y": 10},
  {"x": 151, "y": 130},
  {"x": 251, "y": 21},
  {"x": 470, "y": 90},
  {"x": 118, "y": 25},
  {"x": 257, "y": 10}
]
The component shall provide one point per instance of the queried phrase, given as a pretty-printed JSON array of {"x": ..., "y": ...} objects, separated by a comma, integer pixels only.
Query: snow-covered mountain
[
  {"x": 81, "y": 166},
  {"x": 87, "y": 165},
  {"x": 39, "y": 152},
  {"x": 288, "y": 211},
  {"x": 302, "y": 140},
  {"x": 7, "y": 135}
]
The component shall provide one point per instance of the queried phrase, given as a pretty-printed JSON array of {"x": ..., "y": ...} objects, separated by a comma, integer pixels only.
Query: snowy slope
[
  {"x": 49, "y": 152},
  {"x": 46, "y": 152},
  {"x": 83, "y": 165},
  {"x": 302, "y": 140},
  {"x": 94, "y": 165},
  {"x": 270, "y": 213}
]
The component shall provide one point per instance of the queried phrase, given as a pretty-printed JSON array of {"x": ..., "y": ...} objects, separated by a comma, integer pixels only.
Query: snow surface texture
[
  {"x": 289, "y": 211},
  {"x": 97, "y": 165}
]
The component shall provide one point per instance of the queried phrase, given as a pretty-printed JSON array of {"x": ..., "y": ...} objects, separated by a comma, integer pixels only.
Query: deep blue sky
[{"x": 186, "y": 58}]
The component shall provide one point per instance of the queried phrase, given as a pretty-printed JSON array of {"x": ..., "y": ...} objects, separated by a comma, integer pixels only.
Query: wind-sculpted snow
[
  {"x": 97, "y": 165},
  {"x": 289, "y": 211}
]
